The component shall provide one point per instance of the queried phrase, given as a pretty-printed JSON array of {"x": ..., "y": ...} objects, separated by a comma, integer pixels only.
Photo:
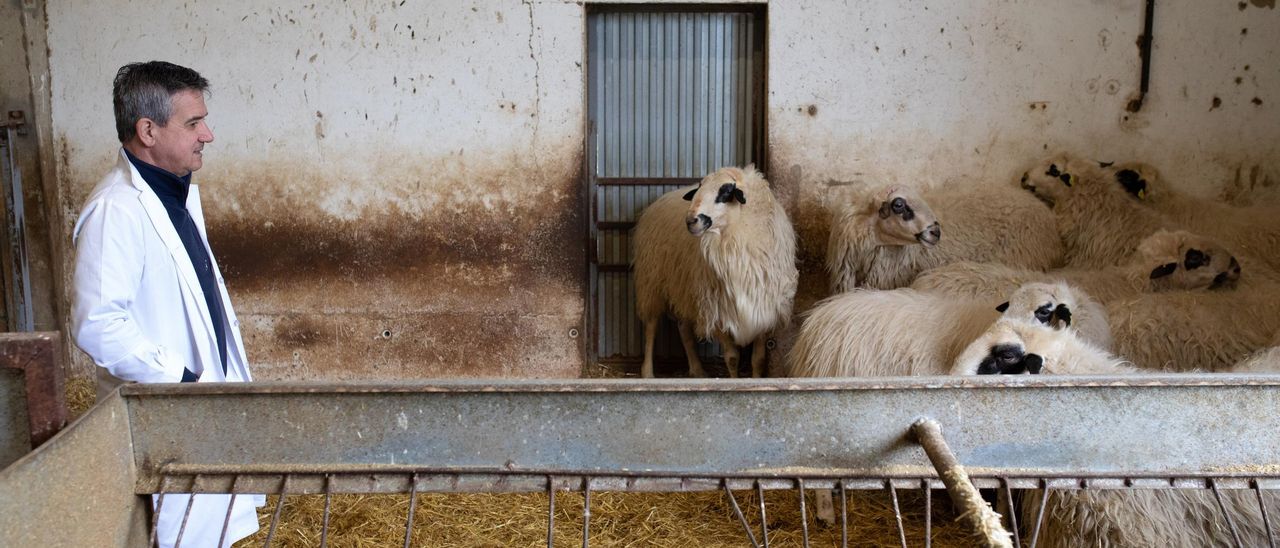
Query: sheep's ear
[
  {"x": 739, "y": 196},
  {"x": 1163, "y": 270},
  {"x": 688, "y": 196},
  {"x": 1063, "y": 314},
  {"x": 1002, "y": 307}
]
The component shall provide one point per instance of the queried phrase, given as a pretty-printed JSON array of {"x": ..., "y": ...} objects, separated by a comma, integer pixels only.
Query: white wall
[{"x": 415, "y": 166}]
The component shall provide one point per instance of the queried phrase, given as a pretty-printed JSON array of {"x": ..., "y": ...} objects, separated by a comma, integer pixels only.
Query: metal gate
[
  {"x": 1208, "y": 432},
  {"x": 673, "y": 94}
]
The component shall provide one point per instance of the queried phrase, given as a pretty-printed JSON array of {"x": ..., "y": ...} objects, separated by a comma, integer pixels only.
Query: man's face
[{"x": 178, "y": 144}]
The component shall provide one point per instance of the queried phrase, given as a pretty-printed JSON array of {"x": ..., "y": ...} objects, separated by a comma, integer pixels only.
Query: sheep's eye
[
  {"x": 898, "y": 205},
  {"x": 1044, "y": 313}
]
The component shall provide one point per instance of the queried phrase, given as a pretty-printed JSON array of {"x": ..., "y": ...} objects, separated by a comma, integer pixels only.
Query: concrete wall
[{"x": 395, "y": 190}]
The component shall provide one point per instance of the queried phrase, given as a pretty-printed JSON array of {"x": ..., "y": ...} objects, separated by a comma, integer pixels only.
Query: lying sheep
[
  {"x": 1163, "y": 261},
  {"x": 909, "y": 332},
  {"x": 1100, "y": 224},
  {"x": 1166, "y": 518},
  {"x": 1247, "y": 229},
  {"x": 720, "y": 258},
  {"x": 1186, "y": 330},
  {"x": 882, "y": 237}
]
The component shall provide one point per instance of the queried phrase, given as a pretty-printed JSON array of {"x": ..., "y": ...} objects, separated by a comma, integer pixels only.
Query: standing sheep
[
  {"x": 904, "y": 332},
  {"x": 1163, "y": 261},
  {"x": 720, "y": 258},
  {"x": 1179, "y": 518},
  {"x": 883, "y": 237}
]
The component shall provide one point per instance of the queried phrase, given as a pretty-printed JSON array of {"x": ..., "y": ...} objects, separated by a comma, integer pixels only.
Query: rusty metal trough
[{"x": 1187, "y": 431}]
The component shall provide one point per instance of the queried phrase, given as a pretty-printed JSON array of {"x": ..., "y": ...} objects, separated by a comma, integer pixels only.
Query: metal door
[{"x": 673, "y": 94}]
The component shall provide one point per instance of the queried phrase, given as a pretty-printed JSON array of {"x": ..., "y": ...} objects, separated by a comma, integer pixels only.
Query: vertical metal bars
[
  {"x": 981, "y": 518},
  {"x": 275, "y": 517},
  {"x": 413, "y": 501},
  {"x": 897, "y": 513},
  {"x": 737, "y": 510},
  {"x": 17, "y": 267},
  {"x": 1266, "y": 520}
]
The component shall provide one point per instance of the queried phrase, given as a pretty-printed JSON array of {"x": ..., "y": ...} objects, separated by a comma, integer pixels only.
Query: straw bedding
[{"x": 704, "y": 519}]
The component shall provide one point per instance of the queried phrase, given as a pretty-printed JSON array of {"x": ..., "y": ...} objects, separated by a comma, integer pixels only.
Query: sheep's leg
[
  {"x": 826, "y": 512},
  {"x": 691, "y": 350},
  {"x": 650, "y": 333},
  {"x": 757, "y": 357},
  {"x": 730, "y": 352}
]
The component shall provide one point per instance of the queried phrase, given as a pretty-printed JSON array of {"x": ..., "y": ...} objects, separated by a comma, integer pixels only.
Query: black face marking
[
  {"x": 1065, "y": 178},
  {"x": 730, "y": 192},
  {"x": 1105, "y": 164},
  {"x": 1009, "y": 359},
  {"x": 1002, "y": 307},
  {"x": 1196, "y": 259},
  {"x": 1053, "y": 171},
  {"x": 701, "y": 220},
  {"x": 688, "y": 196},
  {"x": 1063, "y": 314},
  {"x": 1132, "y": 182},
  {"x": 1025, "y": 176},
  {"x": 1044, "y": 313},
  {"x": 1033, "y": 363},
  {"x": 1163, "y": 270}
]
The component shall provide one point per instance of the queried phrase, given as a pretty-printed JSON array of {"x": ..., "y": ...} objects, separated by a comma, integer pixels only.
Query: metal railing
[{"x": 1045, "y": 433}]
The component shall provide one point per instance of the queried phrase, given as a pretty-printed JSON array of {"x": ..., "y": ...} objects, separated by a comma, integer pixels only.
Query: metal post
[{"x": 984, "y": 521}]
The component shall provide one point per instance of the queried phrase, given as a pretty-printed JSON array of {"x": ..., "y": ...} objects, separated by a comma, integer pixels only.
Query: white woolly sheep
[
  {"x": 903, "y": 332},
  {"x": 1194, "y": 330},
  {"x": 908, "y": 332},
  {"x": 720, "y": 258},
  {"x": 883, "y": 237},
  {"x": 1163, "y": 261},
  {"x": 1100, "y": 224},
  {"x": 1247, "y": 229},
  {"x": 1173, "y": 517}
]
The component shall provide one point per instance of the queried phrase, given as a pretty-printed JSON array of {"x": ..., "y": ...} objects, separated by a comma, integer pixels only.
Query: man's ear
[{"x": 145, "y": 128}]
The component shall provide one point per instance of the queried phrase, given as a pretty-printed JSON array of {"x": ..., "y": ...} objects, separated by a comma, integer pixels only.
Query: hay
[
  {"x": 704, "y": 519},
  {"x": 81, "y": 393}
]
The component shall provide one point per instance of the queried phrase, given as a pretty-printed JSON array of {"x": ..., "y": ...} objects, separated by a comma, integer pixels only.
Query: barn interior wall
[{"x": 395, "y": 190}]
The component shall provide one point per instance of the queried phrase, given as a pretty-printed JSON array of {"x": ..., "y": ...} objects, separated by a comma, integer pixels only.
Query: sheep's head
[
  {"x": 1048, "y": 304},
  {"x": 1009, "y": 347},
  {"x": 1179, "y": 259},
  {"x": 716, "y": 201},
  {"x": 1136, "y": 178},
  {"x": 1052, "y": 179},
  {"x": 903, "y": 218}
]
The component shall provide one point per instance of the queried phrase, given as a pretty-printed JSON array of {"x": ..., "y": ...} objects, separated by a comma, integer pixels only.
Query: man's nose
[{"x": 207, "y": 136}]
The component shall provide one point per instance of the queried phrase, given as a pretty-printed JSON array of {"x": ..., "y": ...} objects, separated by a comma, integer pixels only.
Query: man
[{"x": 149, "y": 302}]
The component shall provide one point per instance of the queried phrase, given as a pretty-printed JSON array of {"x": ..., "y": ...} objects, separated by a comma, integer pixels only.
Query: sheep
[
  {"x": 882, "y": 237},
  {"x": 910, "y": 332},
  {"x": 1187, "y": 330},
  {"x": 1174, "y": 517},
  {"x": 1247, "y": 229},
  {"x": 1015, "y": 346},
  {"x": 732, "y": 277},
  {"x": 1100, "y": 224},
  {"x": 1163, "y": 261}
]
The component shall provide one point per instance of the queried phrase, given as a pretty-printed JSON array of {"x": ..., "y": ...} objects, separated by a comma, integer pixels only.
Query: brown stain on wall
[{"x": 401, "y": 291}]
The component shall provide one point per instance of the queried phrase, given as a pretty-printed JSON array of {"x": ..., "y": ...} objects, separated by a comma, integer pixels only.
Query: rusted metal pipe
[{"x": 973, "y": 510}]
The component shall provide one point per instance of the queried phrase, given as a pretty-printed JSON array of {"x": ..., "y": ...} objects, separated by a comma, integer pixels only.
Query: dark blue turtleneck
[{"x": 172, "y": 191}]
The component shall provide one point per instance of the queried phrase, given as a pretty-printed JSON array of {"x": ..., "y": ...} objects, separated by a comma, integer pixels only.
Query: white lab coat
[{"x": 139, "y": 312}]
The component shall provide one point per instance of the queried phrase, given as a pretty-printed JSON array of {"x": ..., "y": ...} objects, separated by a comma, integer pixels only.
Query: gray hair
[{"x": 145, "y": 90}]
